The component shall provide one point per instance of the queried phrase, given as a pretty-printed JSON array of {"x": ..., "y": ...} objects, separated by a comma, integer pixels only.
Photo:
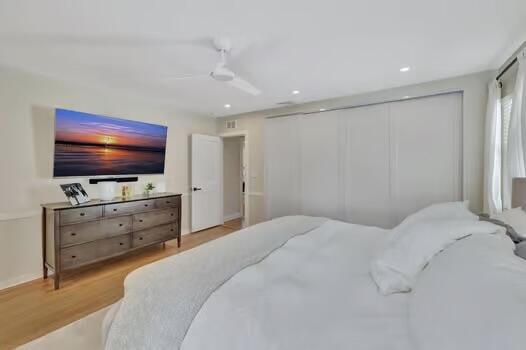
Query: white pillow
[
  {"x": 439, "y": 211},
  {"x": 516, "y": 218},
  {"x": 398, "y": 265},
  {"x": 442, "y": 211}
]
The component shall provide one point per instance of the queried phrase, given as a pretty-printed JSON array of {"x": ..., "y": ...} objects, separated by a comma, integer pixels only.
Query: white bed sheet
[{"x": 313, "y": 293}]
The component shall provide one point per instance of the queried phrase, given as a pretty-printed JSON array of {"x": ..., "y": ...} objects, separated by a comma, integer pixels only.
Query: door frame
[{"x": 246, "y": 199}]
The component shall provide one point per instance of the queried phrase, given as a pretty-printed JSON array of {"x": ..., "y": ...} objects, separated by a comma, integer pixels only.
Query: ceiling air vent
[{"x": 231, "y": 124}]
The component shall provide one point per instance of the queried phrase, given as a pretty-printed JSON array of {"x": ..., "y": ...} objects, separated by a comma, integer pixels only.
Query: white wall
[
  {"x": 473, "y": 86},
  {"x": 26, "y": 142},
  {"x": 231, "y": 177}
]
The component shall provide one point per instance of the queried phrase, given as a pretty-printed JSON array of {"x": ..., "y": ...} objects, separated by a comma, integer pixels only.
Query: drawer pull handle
[
  {"x": 121, "y": 225},
  {"x": 140, "y": 220},
  {"x": 82, "y": 214},
  {"x": 172, "y": 214},
  {"x": 73, "y": 256},
  {"x": 120, "y": 243},
  {"x": 73, "y": 234},
  {"x": 140, "y": 238},
  {"x": 146, "y": 205},
  {"x": 168, "y": 202},
  {"x": 114, "y": 209},
  {"x": 171, "y": 229}
]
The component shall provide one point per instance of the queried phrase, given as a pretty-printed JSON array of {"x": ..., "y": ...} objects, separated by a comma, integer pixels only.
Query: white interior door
[
  {"x": 244, "y": 206},
  {"x": 207, "y": 161}
]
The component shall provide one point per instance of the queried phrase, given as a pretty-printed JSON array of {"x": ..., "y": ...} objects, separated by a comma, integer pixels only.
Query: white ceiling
[{"x": 323, "y": 48}]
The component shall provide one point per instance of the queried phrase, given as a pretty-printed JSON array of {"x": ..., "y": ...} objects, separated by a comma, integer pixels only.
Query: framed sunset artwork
[{"x": 89, "y": 144}]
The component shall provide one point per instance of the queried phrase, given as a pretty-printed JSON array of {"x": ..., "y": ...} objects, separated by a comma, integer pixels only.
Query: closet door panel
[
  {"x": 366, "y": 165},
  {"x": 425, "y": 152},
  {"x": 282, "y": 167},
  {"x": 319, "y": 145}
]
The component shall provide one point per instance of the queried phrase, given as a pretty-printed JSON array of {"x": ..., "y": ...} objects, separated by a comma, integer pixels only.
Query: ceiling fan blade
[
  {"x": 186, "y": 76},
  {"x": 245, "y": 86}
]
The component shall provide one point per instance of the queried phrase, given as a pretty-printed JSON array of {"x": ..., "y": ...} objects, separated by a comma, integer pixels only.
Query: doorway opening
[{"x": 235, "y": 179}]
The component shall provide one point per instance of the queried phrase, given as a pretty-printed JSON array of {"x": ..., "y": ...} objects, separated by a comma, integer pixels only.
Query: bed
[{"x": 310, "y": 283}]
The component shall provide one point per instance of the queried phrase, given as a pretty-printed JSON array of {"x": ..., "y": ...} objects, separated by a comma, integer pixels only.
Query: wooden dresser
[{"x": 76, "y": 236}]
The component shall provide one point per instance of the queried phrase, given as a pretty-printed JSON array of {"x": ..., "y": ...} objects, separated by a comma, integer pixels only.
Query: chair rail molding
[{"x": 17, "y": 215}]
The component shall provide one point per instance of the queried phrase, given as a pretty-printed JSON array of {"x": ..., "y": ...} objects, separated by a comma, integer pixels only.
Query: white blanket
[
  {"x": 161, "y": 299},
  {"x": 472, "y": 296},
  {"x": 399, "y": 265},
  {"x": 313, "y": 293}
]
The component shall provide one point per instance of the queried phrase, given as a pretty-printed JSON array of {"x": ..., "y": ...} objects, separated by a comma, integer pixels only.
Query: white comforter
[
  {"x": 316, "y": 292},
  {"x": 313, "y": 293},
  {"x": 472, "y": 296}
]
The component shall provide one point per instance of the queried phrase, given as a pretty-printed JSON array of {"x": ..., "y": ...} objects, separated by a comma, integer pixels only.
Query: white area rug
[{"x": 84, "y": 334}]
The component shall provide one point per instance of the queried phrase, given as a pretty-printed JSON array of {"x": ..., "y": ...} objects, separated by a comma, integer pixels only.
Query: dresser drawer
[
  {"x": 156, "y": 234},
  {"x": 78, "y": 255},
  {"x": 154, "y": 218},
  {"x": 168, "y": 202},
  {"x": 71, "y": 216},
  {"x": 81, "y": 254},
  {"x": 90, "y": 231},
  {"x": 113, "y": 246},
  {"x": 128, "y": 208}
]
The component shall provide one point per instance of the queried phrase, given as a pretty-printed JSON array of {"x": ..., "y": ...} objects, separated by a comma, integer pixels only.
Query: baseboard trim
[
  {"x": 13, "y": 282},
  {"x": 232, "y": 216}
]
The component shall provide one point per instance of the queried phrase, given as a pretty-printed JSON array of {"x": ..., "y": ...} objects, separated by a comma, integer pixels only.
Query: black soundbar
[{"x": 114, "y": 179}]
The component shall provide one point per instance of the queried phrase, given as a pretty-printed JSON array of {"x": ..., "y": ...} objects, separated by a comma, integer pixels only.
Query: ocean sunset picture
[{"x": 89, "y": 144}]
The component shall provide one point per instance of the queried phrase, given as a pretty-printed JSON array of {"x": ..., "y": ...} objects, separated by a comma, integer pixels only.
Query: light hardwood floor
[{"x": 33, "y": 309}]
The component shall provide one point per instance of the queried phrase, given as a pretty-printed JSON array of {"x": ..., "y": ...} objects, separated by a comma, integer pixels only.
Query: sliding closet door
[
  {"x": 366, "y": 165},
  {"x": 425, "y": 152},
  {"x": 282, "y": 166},
  {"x": 369, "y": 165},
  {"x": 302, "y": 166},
  {"x": 319, "y": 165}
]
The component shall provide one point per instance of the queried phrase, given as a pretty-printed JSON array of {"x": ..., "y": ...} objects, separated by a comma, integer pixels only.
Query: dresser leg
[
  {"x": 57, "y": 281},
  {"x": 179, "y": 241},
  {"x": 44, "y": 228},
  {"x": 164, "y": 245}
]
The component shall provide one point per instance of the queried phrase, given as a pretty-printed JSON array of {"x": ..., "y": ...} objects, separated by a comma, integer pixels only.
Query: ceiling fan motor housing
[
  {"x": 222, "y": 74},
  {"x": 222, "y": 44}
]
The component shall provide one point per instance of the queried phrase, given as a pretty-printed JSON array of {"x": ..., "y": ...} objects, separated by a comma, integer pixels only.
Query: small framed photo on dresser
[{"x": 75, "y": 193}]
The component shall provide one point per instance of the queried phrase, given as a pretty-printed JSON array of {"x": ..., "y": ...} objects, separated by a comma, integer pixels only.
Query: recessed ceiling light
[
  {"x": 322, "y": 109},
  {"x": 227, "y": 106},
  {"x": 406, "y": 96},
  {"x": 405, "y": 69},
  {"x": 295, "y": 92}
]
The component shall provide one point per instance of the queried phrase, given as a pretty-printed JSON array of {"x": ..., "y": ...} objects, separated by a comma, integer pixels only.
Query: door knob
[{"x": 197, "y": 189}]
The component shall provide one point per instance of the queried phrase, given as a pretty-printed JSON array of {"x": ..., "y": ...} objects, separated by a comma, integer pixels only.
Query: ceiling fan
[
  {"x": 221, "y": 72},
  {"x": 222, "y": 45}
]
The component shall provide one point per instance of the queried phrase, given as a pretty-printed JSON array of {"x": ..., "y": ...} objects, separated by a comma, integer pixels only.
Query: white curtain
[
  {"x": 493, "y": 152},
  {"x": 517, "y": 132}
]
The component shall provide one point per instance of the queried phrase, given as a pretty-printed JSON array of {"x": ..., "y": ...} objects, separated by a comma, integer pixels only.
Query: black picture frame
[{"x": 75, "y": 193}]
